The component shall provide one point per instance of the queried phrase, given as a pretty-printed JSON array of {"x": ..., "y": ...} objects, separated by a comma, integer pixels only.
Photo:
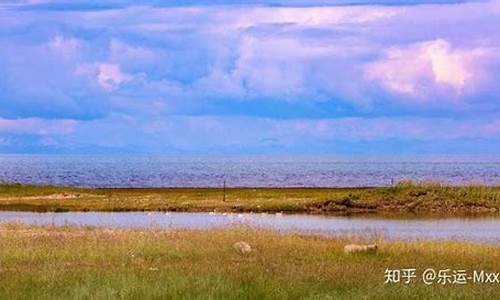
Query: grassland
[
  {"x": 403, "y": 197},
  {"x": 89, "y": 263}
]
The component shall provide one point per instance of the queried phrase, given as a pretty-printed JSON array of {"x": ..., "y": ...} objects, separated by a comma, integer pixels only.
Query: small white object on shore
[
  {"x": 243, "y": 248},
  {"x": 353, "y": 248}
]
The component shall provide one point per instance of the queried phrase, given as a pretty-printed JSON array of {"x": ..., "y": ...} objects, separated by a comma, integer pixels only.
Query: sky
[{"x": 250, "y": 77}]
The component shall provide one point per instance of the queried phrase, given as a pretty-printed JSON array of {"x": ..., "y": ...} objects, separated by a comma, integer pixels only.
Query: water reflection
[{"x": 483, "y": 229}]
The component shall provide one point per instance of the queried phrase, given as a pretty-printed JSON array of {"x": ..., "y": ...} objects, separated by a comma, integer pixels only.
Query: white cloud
[
  {"x": 121, "y": 51},
  {"x": 37, "y": 126},
  {"x": 288, "y": 131},
  {"x": 107, "y": 75},
  {"x": 286, "y": 67},
  {"x": 64, "y": 46},
  {"x": 9, "y": 4},
  {"x": 110, "y": 76},
  {"x": 230, "y": 18},
  {"x": 306, "y": 16},
  {"x": 419, "y": 68}
]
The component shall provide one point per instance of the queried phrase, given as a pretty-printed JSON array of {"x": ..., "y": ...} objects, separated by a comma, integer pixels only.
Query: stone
[
  {"x": 242, "y": 248},
  {"x": 353, "y": 248}
]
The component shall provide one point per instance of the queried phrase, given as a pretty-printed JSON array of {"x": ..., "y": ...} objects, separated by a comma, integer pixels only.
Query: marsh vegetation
[
  {"x": 80, "y": 263},
  {"x": 48, "y": 262},
  {"x": 403, "y": 197}
]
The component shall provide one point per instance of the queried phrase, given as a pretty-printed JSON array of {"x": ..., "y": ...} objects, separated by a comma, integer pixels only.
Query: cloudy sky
[{"x": 262, "y": 76}]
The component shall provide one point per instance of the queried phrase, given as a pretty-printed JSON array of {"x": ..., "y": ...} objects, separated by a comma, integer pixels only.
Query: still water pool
[{"x": 480, "y": 229}]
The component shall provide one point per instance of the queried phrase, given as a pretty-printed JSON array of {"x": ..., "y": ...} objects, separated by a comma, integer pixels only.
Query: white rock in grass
[
  {"x": 353, "y": 248},
  {"x": 243, "y": 248}
]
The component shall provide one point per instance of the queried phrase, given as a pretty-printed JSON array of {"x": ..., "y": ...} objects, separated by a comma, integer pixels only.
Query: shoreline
[{"x": 402, "y": 198}]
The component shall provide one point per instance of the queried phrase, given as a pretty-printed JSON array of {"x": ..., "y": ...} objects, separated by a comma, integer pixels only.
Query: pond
[{"x": 480, "y": 229}]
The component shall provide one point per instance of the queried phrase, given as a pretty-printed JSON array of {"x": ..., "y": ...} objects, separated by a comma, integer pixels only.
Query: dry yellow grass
[
  {"x": 404, "y": 197},
  {"x": 70, "y": 262}
]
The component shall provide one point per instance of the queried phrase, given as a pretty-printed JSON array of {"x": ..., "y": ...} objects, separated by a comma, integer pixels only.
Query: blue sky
[{"x": 250, "y": 77}]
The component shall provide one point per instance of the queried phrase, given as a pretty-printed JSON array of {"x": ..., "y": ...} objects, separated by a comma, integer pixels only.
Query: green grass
[
  {"x": 87, "y": 263},
  {"x": 404, "y": 197}
]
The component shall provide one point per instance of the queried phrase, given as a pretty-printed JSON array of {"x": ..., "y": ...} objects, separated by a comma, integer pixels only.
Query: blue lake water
[
  {"x": 249, "y": 171},
  {"x": 480, "y": 229}
]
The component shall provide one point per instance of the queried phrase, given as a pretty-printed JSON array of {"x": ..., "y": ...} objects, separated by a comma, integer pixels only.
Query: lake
[{"x": 244, "y": 171}]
